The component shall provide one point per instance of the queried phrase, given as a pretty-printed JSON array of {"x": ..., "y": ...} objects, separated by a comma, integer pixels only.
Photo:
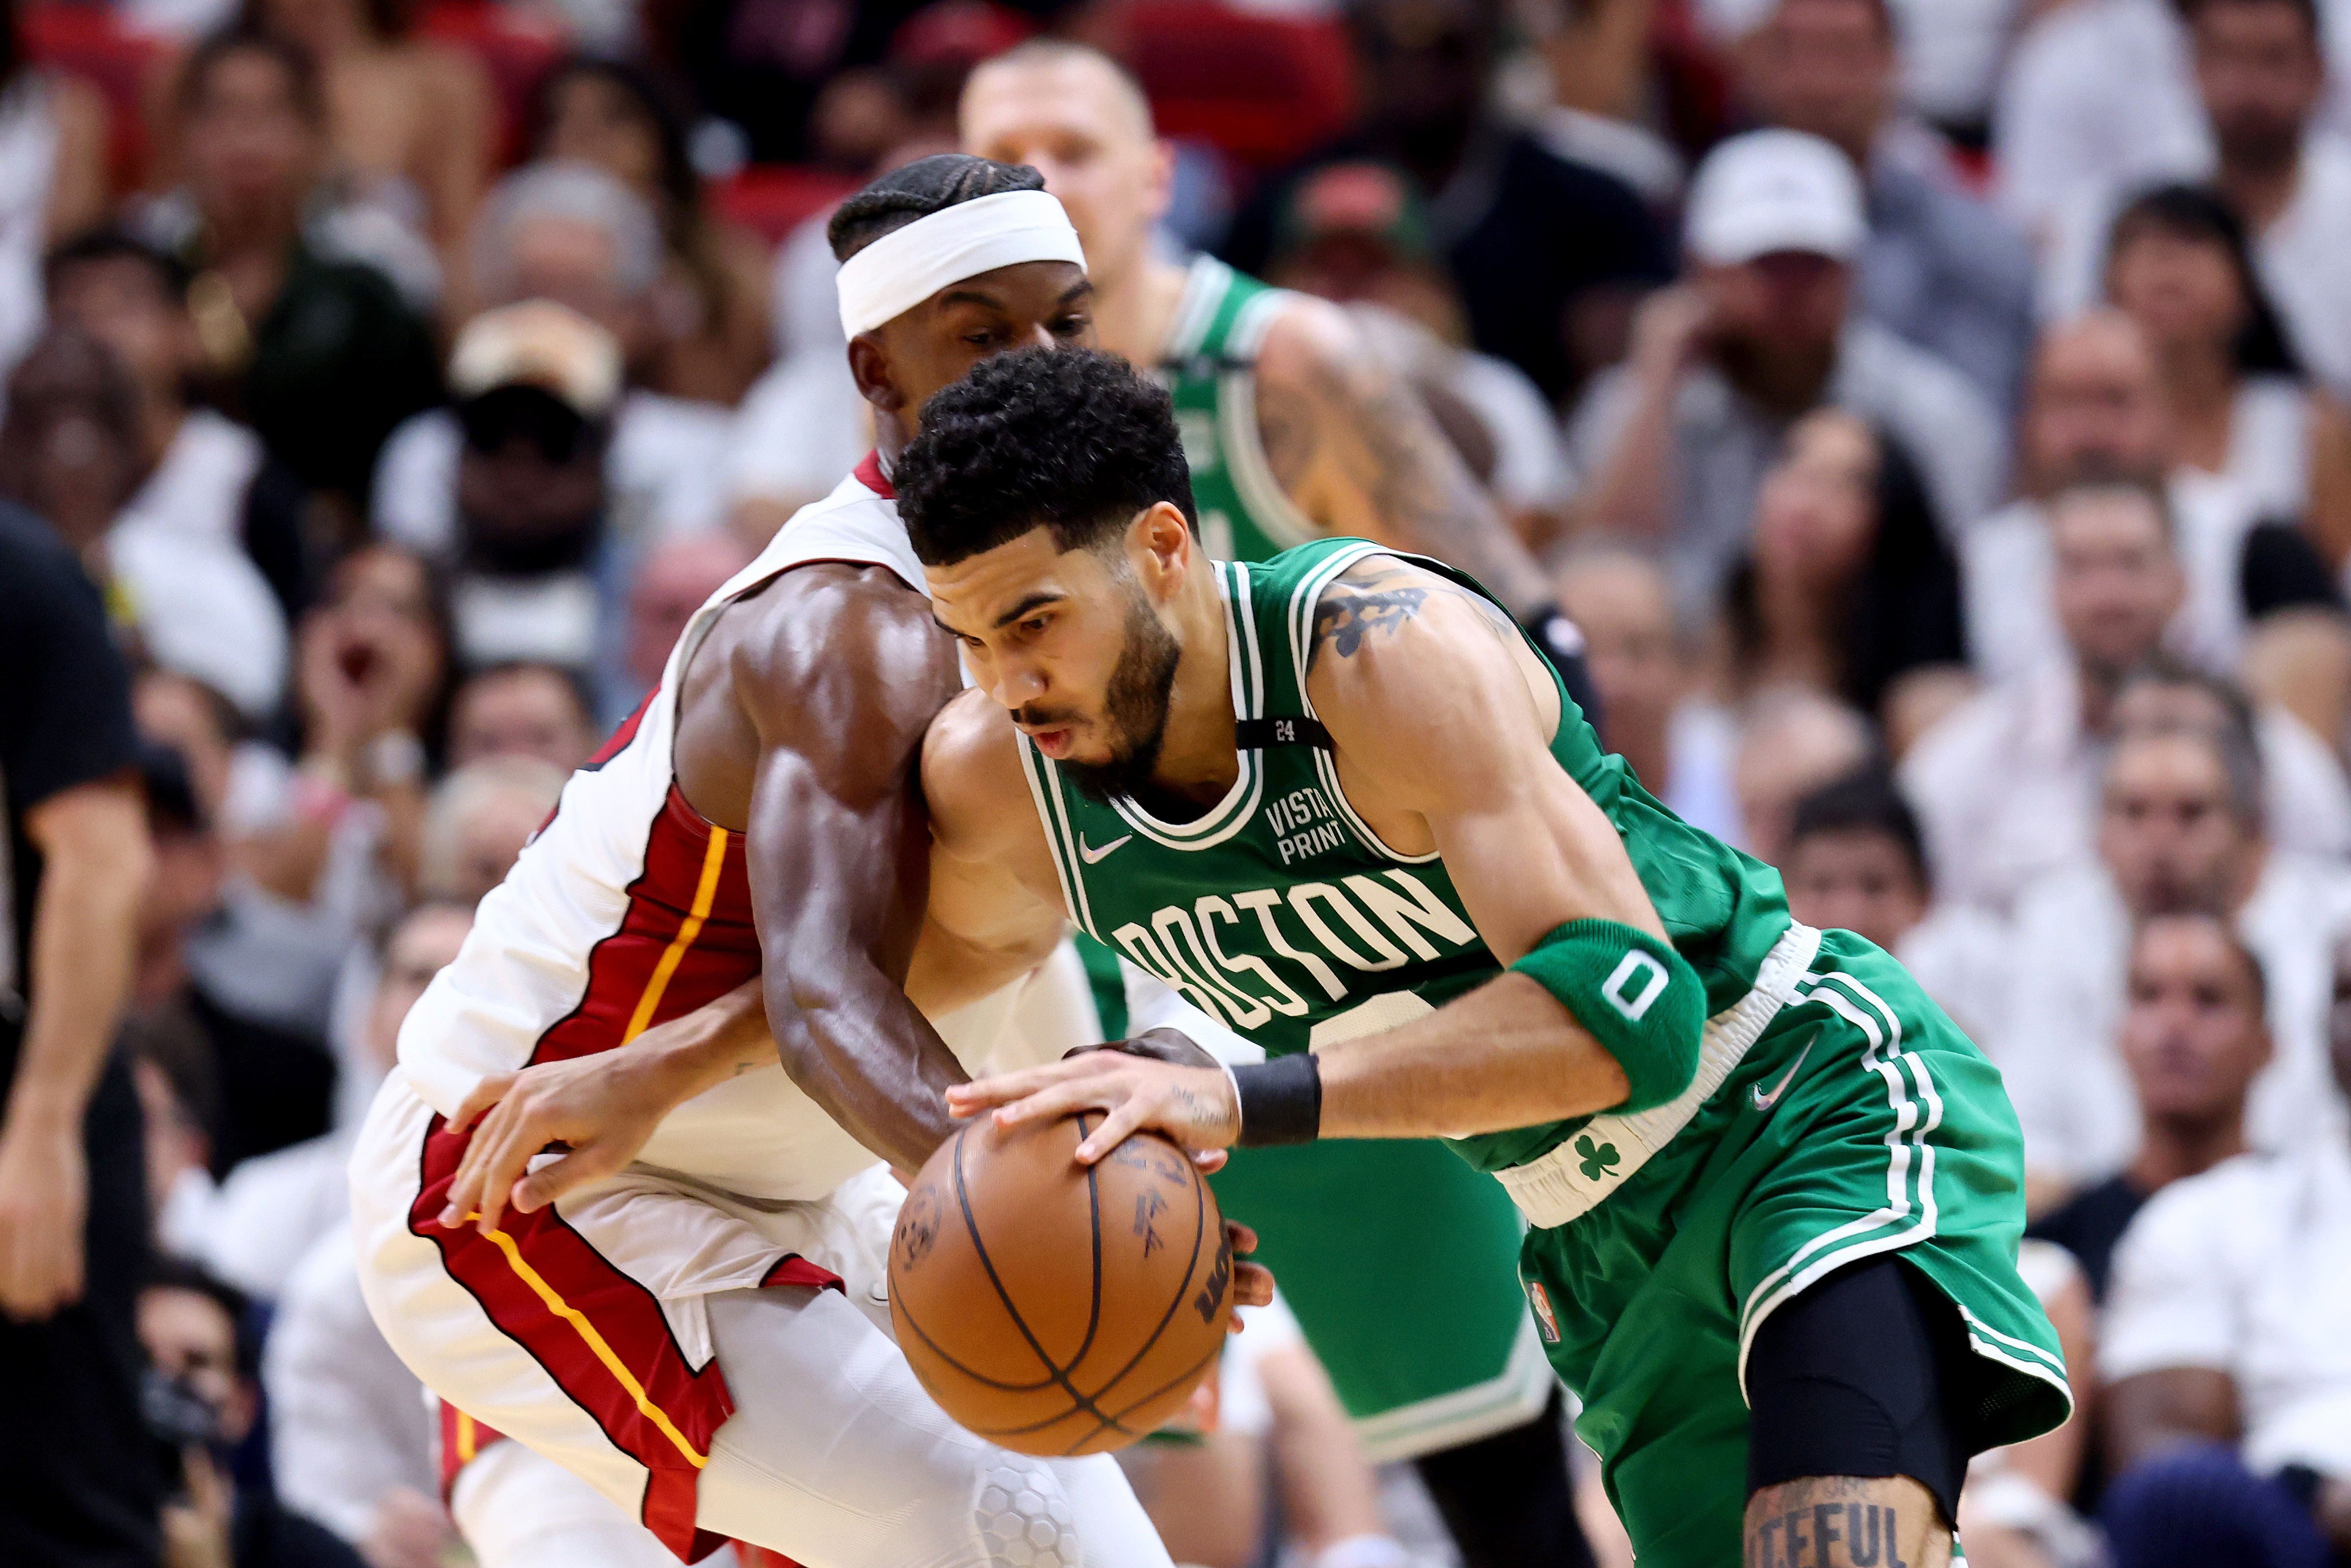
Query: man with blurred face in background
[
  {"x": 2095, "y": 412},
  {"x": 2180, "y": 832},
  {"x": 1941, "y": 267},
  {"x": 1294, "y": 429},
  {"x": 2005, "y": 785},
  {"x": 2195, "y": 1033}
]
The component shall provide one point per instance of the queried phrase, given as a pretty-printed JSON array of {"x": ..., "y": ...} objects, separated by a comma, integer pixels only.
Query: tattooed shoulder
[
  {"x": 1375, "y": 594},
  {"x": 1380, "y": 593}
]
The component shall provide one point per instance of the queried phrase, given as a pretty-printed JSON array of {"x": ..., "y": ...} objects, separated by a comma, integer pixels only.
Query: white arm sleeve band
[{"x": 1150, "y": 1005}]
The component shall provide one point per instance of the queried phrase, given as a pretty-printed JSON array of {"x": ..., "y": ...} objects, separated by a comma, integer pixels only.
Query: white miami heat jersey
[{"x": 628, "y": 909}]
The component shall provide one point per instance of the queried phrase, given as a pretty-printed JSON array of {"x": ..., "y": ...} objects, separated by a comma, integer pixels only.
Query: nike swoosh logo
[
  {"x": 1094, "y": 856},
  {"x": 1765, "y": 1102}
]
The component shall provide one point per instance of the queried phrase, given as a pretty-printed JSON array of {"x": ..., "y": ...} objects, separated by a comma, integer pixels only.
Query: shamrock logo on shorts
[{"x": 1597, "y": 1159}]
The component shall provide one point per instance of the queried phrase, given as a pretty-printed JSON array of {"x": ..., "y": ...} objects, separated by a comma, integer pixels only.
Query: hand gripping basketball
[
  {"x": 1195, "y": 1106},
  {"x": 1058, "y": 1308}
]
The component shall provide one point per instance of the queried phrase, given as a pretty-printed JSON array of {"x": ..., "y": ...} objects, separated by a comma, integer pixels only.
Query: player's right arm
[{"x": 839, "y": 673}]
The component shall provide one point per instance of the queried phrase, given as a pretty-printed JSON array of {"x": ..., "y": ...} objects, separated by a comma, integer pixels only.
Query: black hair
[
  {"x": 250, "y": 37},
  {"x": 917, "y": 190},
  {"x": 168, "y": 1273},
  {"x": 2193, "y": 213},
  {"x": 107, "y": 243},
  {"x": 659, "y": 104},
  {"x": 1903, "y": 609},
  {"x": 1069, "y": 439},
  {"x": 2305, "y": 9},
  {"x": 172, "y": 803},
  {"x": 573, "y": 680},
  {"x": 1865, "y": 802}
]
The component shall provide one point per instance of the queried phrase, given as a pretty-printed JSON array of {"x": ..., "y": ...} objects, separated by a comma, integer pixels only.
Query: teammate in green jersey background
[
  {"x": 1775, "y": 1193},
  {"x": 1293, "y": 430}
]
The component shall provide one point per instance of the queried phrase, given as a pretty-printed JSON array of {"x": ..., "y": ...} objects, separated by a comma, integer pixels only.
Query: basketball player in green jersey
[
  {"x": 1294, "y": 431},
  {"x": 1339, "y": 801}
]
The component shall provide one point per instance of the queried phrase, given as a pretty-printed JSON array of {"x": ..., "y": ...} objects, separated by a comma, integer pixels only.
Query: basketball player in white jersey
[{"x": 701, "y": 1336}]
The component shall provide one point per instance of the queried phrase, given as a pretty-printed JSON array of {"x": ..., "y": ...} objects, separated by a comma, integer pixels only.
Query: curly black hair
[
  {"x": 917, "y": 190},
  {"x": 1069, "y": 439}
]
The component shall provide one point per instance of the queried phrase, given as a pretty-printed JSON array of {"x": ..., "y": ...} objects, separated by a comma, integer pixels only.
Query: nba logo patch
[{"x": 1545, "y": 1323}]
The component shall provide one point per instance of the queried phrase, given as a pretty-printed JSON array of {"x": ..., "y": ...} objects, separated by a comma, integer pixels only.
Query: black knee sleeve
[
  {"x": 1851, "y": 1378},
  {"x": 1506, "y": 1499}
]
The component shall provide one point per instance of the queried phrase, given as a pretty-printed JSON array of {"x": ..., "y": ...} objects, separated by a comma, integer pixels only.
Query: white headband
[{"x": 907, "y": 266}]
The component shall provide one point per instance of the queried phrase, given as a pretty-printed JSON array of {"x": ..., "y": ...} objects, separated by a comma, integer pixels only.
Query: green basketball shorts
[{"x": 1859, "y": 1122}]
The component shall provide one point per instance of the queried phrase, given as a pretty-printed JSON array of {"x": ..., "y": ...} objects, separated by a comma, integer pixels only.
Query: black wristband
[{"x": 1281, "y": 1100}]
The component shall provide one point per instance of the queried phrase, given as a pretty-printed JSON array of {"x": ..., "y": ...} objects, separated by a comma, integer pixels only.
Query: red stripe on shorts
[{"x": 598, "y": 1333}]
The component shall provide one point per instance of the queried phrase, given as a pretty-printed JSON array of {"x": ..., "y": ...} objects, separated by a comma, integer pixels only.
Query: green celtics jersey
[
  {"x": 1210, "y": 370},
  {"x": 1280, "y": 914}
]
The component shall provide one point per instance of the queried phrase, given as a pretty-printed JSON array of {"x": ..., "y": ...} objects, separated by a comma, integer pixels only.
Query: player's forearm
[
  {"x": 1506, "y": 1055},
  {"x": 855, "y": 1044},
  {"x": 85, "y": 926}
]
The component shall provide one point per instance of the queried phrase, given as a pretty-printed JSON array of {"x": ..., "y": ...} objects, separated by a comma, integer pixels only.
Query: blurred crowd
[{"x": 1936, "y": 413}]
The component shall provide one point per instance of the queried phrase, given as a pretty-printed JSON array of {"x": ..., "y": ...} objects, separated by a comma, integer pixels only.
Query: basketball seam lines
[{"x": 1059, "y": 1377}]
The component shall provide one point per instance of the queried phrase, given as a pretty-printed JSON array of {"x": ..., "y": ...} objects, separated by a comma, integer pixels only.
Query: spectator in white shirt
[
  {"x": 2253, "y": 74},
  {"x": 1853, "y": 862},
  {"x": 273, "y": 1208},
  {"x": 1677, "y": 439},
  {"x": 199, "y": 465},
  {"x": 1681, "y": 746},
  {"x": 72, "y": 452},
  {"x": 2180, "y": 830},
  {"x": 2227, "y": 1356},
  {"x": 572, "y": 234},
  {"x": 1941, "y": 267},
  {"x": 2096, "y": 412},
  {"x": 2194, "y": 1034},
  {"x": 2005, "y": 786},
  {"x": 2235, "y": 399}
]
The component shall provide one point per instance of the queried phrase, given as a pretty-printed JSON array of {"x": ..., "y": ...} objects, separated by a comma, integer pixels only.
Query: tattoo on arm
[
  {"x": 1204, "y": 1113},
  {"x": 1371, "y": 596}
]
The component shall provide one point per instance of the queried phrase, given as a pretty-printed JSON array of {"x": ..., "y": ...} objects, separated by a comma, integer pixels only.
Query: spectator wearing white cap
[
  {"x": 1763, "y": 332},
  {"x": 538, "y": 386},
  {"x": 572, "y": 234},
  {"x": 1941, "y": 267}
]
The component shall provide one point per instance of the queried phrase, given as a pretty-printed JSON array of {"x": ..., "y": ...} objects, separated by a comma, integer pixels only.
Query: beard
[{"x": 1135, "y": 711}]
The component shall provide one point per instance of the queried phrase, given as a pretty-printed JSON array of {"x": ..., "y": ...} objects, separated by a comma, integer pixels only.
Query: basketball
[{"x": 1056, "y": 1308}]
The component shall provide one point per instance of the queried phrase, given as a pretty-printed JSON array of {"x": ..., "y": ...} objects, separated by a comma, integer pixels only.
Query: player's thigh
[
  {"x": 518, "y": 1509},
  {"x": 835, "y": 1455}
]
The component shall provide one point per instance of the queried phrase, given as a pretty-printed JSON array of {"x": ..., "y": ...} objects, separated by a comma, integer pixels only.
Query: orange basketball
[{"x": 1056, "y": 1308}]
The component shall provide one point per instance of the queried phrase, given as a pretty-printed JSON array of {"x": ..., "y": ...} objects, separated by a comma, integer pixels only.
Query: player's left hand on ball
[
  {"x": 1252, "y": 1282},
  {"x": 1194, "y": 1105}
]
